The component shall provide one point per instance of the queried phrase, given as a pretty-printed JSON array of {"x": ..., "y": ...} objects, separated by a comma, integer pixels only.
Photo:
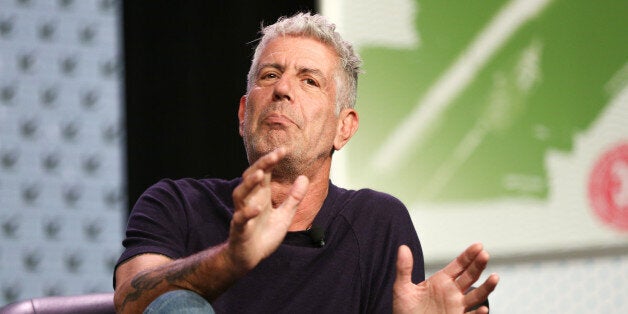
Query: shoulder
[
  {"x": 195, "y": 184},
  {"x": 177, "y": 195},
  {"x": 371, "y": 201},
  {"x": 380, "y": 223},
  {"x": 369, "y": 210},
  {"x": 190, "y": 187}
]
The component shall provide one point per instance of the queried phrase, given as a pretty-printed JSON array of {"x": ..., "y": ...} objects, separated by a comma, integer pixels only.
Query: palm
[
  {"x": 261, "y": 234},
  {"x": 429, "y": 296},
  {"x": 444, "y": 292},
  {"x": 257, "y": 228}
]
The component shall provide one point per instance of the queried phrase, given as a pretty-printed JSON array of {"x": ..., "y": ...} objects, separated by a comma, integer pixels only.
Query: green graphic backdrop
[
  {"x": 572, "y": 48},
  {"x": 470, "y": 115}
]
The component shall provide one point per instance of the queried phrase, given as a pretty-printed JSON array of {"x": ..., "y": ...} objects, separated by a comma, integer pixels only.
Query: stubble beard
[{"x": 256, "y": 146}]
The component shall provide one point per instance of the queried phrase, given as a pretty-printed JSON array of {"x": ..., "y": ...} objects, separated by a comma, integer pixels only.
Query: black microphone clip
[{"x": 317, "y": 234}]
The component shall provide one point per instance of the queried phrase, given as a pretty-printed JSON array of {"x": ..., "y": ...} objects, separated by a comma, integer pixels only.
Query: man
[{"x": 283, "y": 238}]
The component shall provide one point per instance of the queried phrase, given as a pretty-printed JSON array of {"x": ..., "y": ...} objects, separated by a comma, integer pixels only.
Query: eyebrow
[
  {"x": 302, "y": 70},
  {"x": 315, "y": 72},
  {"x": 271, "y": 65}
]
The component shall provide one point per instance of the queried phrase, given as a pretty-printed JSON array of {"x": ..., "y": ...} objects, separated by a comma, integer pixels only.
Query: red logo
[{"x": 608, "y": 187}]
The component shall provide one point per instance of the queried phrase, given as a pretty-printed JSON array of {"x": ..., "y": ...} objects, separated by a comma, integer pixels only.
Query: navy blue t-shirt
[{"x": 353, "y": 272}]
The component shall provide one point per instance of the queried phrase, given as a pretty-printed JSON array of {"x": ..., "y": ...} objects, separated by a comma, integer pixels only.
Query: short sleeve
[{"x": 157, "y": 223}]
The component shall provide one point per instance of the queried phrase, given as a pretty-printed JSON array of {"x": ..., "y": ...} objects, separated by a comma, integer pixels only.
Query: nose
[{"x": 282, "y": 89}]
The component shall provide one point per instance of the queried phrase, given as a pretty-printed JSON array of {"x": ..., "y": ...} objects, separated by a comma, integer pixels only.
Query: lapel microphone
[{"x": 317, "y": 235}]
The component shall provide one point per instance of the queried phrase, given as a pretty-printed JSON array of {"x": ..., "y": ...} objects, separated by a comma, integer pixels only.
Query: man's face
[{"x": 292, "y": 102}]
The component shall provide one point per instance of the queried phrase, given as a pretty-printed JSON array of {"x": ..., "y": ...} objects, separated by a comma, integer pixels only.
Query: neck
[{"x": 311, "y": 203}]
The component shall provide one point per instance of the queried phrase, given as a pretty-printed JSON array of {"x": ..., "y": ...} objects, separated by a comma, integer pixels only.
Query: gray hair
[{"x": 320, "y": 28}]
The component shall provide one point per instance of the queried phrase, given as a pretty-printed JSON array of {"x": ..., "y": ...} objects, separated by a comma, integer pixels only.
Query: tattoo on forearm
[
  {"x": 173, "y": 274},
  {"x": 140, "y": 283}
]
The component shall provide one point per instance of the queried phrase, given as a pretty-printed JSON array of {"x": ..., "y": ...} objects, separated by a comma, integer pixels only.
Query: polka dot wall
[
  {"x": 62, "y": 194},
  {"x": 588, "y": 283},
  {"x": 574, "y": 285}
]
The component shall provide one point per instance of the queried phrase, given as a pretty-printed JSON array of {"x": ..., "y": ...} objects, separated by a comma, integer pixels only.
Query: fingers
[
  {"x": 266, "y": 162},
  {"x": 473, "y": 271},
  {"x": 404, "y": 265},
  {"x": 481, "y": 293},
  {"x": 467, "y": 268},
  {"x": 252, "y": 196},
  {"x": 480, "y": 310},
  {"x": 240, "y": 193},
  {"x": 297, "y": 193},
  {"x": 462, "y": 262},
  {"x": 256, "y": 175}
]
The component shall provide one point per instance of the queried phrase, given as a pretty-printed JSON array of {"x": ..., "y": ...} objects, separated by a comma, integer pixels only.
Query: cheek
[
  {"x": 250, "y": 116},
  {"x": 326, "y": 128}
]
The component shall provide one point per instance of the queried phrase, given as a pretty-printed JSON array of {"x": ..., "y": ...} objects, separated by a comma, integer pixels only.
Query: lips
[{"x": 275, "y": 119}]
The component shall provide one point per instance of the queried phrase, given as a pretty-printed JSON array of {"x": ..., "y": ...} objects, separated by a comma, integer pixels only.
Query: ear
[
  {"x": 348, "y": 121},
  {"x": 241, "y": 111}
]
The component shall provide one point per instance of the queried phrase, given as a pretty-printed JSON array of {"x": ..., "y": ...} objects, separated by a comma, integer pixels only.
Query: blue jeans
[{"x": 180, "y": 301}]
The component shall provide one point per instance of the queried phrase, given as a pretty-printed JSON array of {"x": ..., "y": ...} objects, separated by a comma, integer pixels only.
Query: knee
[{"x": 180, "y": 301}]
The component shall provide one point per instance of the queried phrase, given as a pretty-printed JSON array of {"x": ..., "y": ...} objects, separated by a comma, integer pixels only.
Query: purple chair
[{"x": 96, "y": 303}]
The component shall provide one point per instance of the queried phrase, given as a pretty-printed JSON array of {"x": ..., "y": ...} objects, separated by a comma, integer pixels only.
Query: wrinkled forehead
[{"x": 299, "y": 52}]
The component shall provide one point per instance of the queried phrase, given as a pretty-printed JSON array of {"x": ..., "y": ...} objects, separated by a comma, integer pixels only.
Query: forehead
[{"x": 299, "y": 52}]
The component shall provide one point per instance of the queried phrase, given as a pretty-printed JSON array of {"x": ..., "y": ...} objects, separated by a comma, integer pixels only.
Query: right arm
[
  {"x": 255, "y": 232},
  {"x": 143, "y": 278}
]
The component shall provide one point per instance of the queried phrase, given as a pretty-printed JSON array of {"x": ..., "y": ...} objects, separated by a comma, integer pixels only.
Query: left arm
[{"x": 443, "y": 292}]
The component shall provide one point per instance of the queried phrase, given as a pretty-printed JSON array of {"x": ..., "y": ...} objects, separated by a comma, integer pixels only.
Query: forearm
[{"x": 208, "y": 273}]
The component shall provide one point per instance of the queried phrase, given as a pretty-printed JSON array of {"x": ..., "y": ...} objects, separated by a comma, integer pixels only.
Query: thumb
[{"x": 404, "y": 265}]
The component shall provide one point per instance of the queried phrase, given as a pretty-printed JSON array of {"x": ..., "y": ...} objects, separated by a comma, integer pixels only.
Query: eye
[
  {"x": 269, "y": 75},
  {"x": 310, "y": 81}
]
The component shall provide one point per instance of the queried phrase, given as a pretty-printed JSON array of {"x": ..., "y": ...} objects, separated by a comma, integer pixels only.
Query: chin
[
  {"x": 255, "y": 152},
  {"x": 258, "y": 146}
]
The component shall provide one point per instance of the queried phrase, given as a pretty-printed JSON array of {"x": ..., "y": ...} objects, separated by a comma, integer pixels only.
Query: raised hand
[
  {"x": 443, "y": 292},
  {"x": 257, "y": 228}
]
